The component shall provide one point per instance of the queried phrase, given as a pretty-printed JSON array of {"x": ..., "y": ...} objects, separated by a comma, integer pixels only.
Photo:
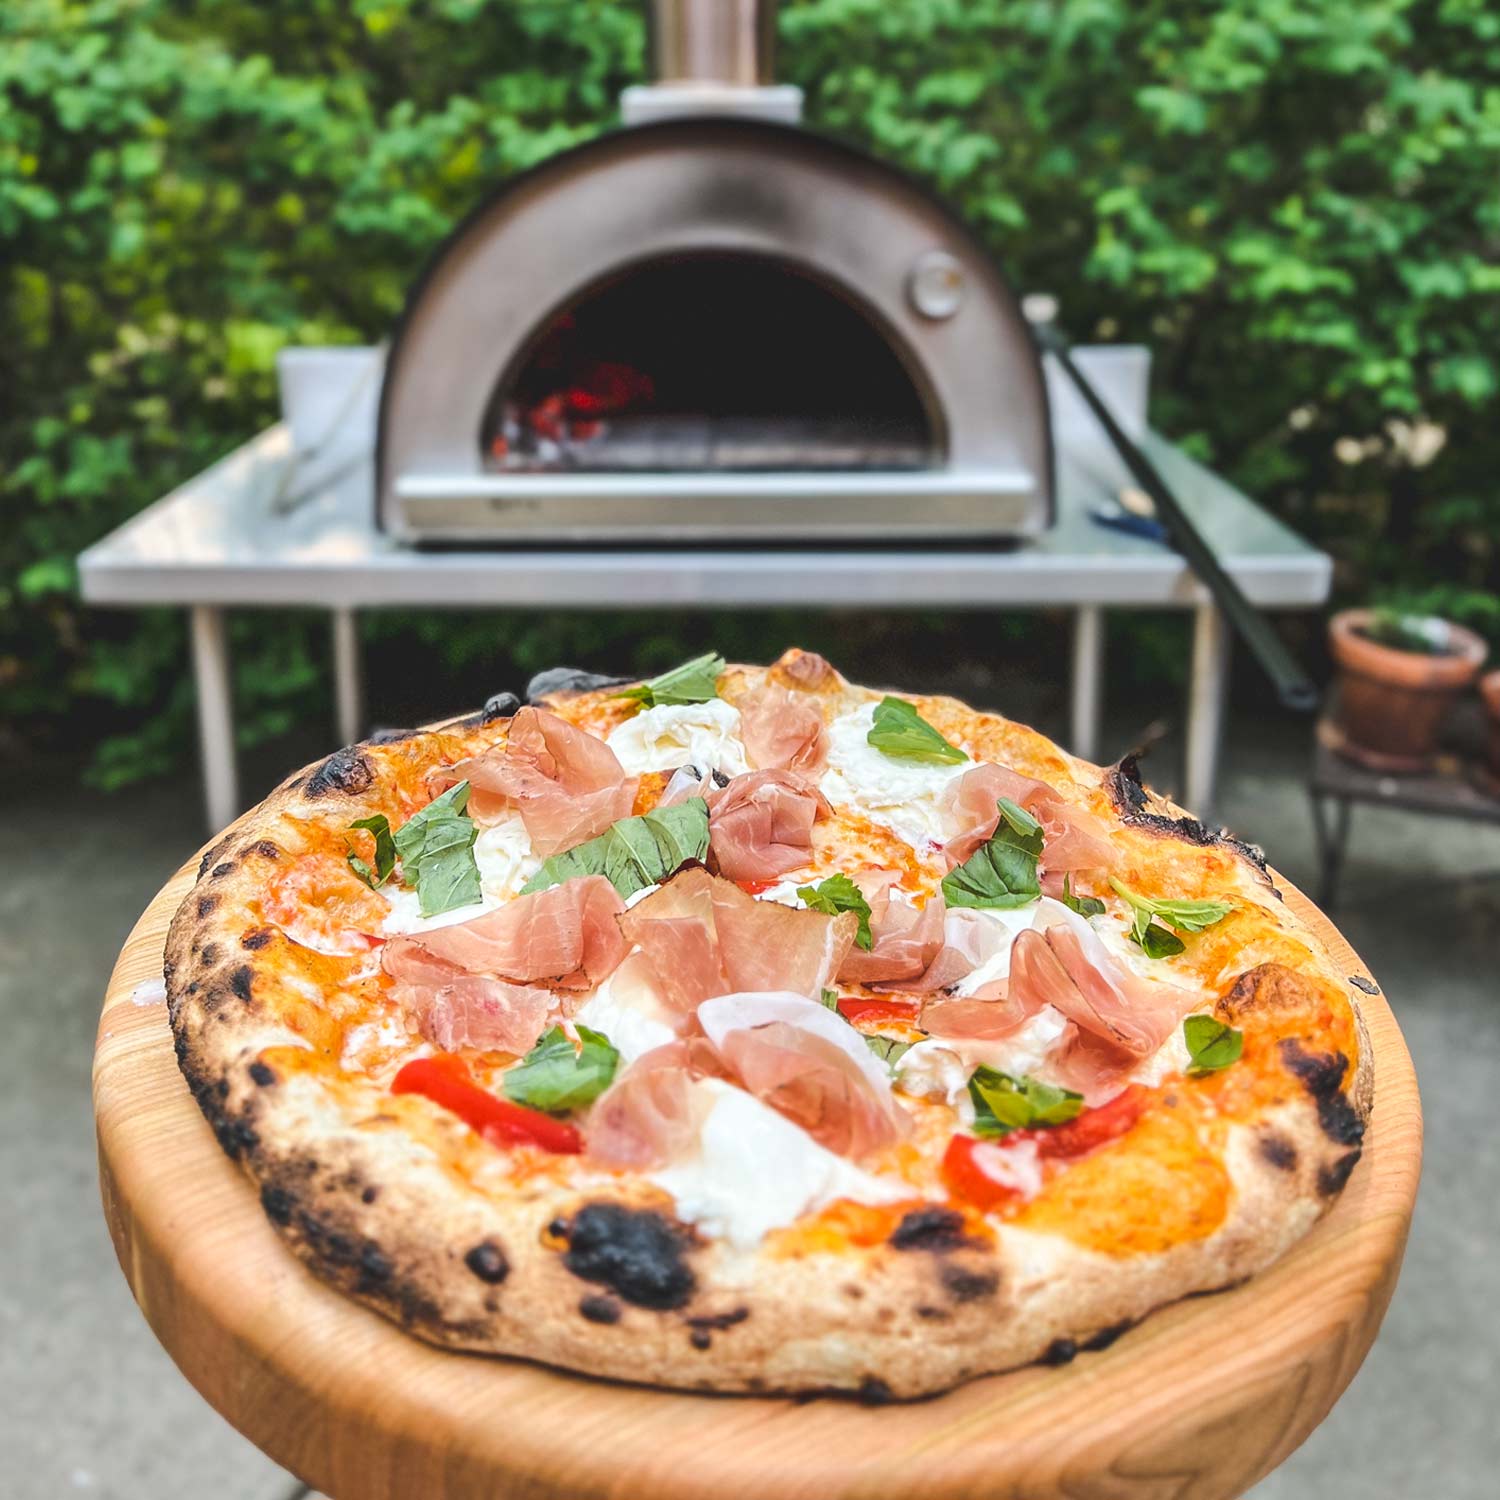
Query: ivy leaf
[
  {"x": 1085, "y": 906},
  {"x": 1003, "y": 1103},
  {"x": 839, "y": 893},
  {"x": 436, "y": 846},
  {"x": 899, "y": 731},
  {"x": 1002, "y": 872},
  {"x": 1212, "y": 1044},
  {"x": 635, "y": 852},
  {"x": 556, "y": 1076},
  {"x": 695, "y": 681},
  {"x": 385, "y": 852}
]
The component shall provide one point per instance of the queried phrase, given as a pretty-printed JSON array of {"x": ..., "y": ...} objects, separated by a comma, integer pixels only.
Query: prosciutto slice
[
  {"x": 783, "y": 730},
  {"x": 1066, "y": 965},
  {"x": 760, "y": 825},
  {"x": 804, "y": 1062},
  {"x": 652, "y": 1113},
  {"x": 703, "y": 936},
  {"x": 567, "y": 785},
  {"x": 453, "y": 1008},
  {"x": 1074, "y": 839},
  {"x": 567, "y": 937},
  {"x": 906, "y": 940}
]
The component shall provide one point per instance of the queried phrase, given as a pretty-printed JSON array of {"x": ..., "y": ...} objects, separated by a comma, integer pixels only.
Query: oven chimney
[{"x": 711, "y": 57}]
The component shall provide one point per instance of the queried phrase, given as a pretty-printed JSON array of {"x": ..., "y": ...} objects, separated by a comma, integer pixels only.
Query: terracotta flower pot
[
  {"x": 1392, "y": 703},
  {"x": 1489, "y": 690}
]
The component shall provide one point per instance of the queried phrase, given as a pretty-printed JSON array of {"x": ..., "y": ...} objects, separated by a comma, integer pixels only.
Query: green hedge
[{"x": 1294, "y": 202}]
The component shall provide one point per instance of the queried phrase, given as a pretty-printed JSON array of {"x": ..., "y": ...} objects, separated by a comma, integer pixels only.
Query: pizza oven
[{"x": 712, "y": 324}]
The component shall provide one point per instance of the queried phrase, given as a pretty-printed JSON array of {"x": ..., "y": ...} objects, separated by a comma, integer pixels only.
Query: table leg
[
  {"x": 348, "y": 685},
  {"x": 215, "y": 684},
  {"x": 1332, "y": 841},
  {"x": 1088, "y": 680},
  {"x": 1205, "y": 718}
]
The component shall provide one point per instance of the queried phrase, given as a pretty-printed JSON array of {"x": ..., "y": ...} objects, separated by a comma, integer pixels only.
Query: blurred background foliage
[{"x": 1293, "y": 201}]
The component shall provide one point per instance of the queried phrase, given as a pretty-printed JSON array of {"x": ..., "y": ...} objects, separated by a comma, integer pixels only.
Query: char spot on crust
[
  {"x": 930, "y": 1229},
  {"x": 487, "y": 1261},
  {"x": 374, "y": 1263},
  {"x": 206, "y": 904},
  {"x": 873, "y": 1391},
  {"x": 569, "y": 680},
  {"x": 261, "y": 1074},
  {"x": 262, "y": 847},
  {"x": 1137, "y": 806},
  {"x": 369, "y": 1195},
  {"x": 1265, "y": 987},
  {"x": 700, "y": 1338},
  {"x": 241, "y": 979},
  {"x": 278, "y": 1203},
  {"x": 220, "y": 870},
  {"x": 210, "y": 955},
  {"x": 966, "y": 1285},
  {"x": 1059, "y": 1352},
  {"x": 638, "y": 1253},
  {"x": 1277, "y": 1150},
  {"x": 937, "y": 1314},
  {"x": 391, "y": 736},
  {"x": 1106, "y": 1336},
  {"x": 212, "y": 853},
  {"x": 345, "y": 773},
  {"x": 499, "y": 706},
  {"x": 1333, "y": 1175},
  {"x": 717, "y": 1322},
  {"x": 1322, "y": 1075},
  {"x": 257, "y": 938},
  {"x": 1367, "y": 985},
  {"x": 600, "y": 1309}
]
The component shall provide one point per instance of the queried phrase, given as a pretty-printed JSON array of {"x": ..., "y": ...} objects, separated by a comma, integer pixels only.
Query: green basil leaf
[
  {"x": 1157, "y": 941},
  {"x": 635, "y": 852},
  {"x": 1001, "y": 873},
  {"x": 1085, "y": 906},
  {"x": 888, "y": 1049},
  {"x": 385, "y": 851},
  {"x": 1185, "y": 916},
  {"x": 1002, "y": 1103},
  {"x": 830, "y": 1000},
  {"x": 436, "y": 846},
  {"x": 899, "y": 731},
  {"x": 839, "y": 893},
  {"x": 1212, "y": 1044},
  {"x": 694, "y": 681},
  {"x": 556, "y": 1076}
]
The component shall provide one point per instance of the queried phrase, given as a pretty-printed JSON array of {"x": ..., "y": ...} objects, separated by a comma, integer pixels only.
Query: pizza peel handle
[
  {"x": 1201, "y": 1399},
  {"x": 1293, "y": 686}
]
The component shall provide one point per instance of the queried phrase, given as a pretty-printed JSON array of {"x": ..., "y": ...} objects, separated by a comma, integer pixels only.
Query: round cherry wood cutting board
[{"x": 1196, "y": 1403}]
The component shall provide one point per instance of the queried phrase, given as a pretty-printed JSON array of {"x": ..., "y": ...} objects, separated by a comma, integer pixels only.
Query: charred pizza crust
[{"x": 594, "y": 1273}]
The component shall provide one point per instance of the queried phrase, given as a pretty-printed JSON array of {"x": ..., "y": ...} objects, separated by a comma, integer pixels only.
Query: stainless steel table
[{"x": 219, "y": 543}]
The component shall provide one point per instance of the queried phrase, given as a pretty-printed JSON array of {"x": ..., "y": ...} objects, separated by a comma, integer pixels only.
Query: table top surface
[
  {"x": 219, "y": 539},
  {"x": 1456, "y": 786},
  {"x": 1195, "y": 1403}
]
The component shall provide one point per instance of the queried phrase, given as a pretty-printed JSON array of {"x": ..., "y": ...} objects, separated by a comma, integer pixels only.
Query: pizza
[{"x": 748, "y": 1030}]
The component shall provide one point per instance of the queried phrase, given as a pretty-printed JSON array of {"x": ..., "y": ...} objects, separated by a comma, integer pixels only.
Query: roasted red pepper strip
[
  {"x": 1093, "y": 1128},
  {"x": 964, "y": 1162},
  {"x": 447, "y": 1081},
  {"x": 964, "y": 1173},
  {"x": 855, "y": 1008}
]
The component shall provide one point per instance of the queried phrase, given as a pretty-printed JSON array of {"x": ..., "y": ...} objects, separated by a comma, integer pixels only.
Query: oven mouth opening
[{"x": 718, "y": 361}]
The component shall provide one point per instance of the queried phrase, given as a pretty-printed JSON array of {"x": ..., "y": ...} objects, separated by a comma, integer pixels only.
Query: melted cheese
[
  {"x": 755, "y": 1171},
  {"x": 706, "y": 735},
  {"x": 904, "y": 796},
  {"x": 626, "y": 1009}
]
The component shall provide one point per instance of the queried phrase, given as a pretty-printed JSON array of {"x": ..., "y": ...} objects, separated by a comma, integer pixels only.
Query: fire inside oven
[{"x": 710, "y": 362}]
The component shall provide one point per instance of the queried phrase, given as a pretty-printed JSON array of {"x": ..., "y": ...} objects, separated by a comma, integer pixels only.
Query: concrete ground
[{"x": 92, "y": 1406}]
